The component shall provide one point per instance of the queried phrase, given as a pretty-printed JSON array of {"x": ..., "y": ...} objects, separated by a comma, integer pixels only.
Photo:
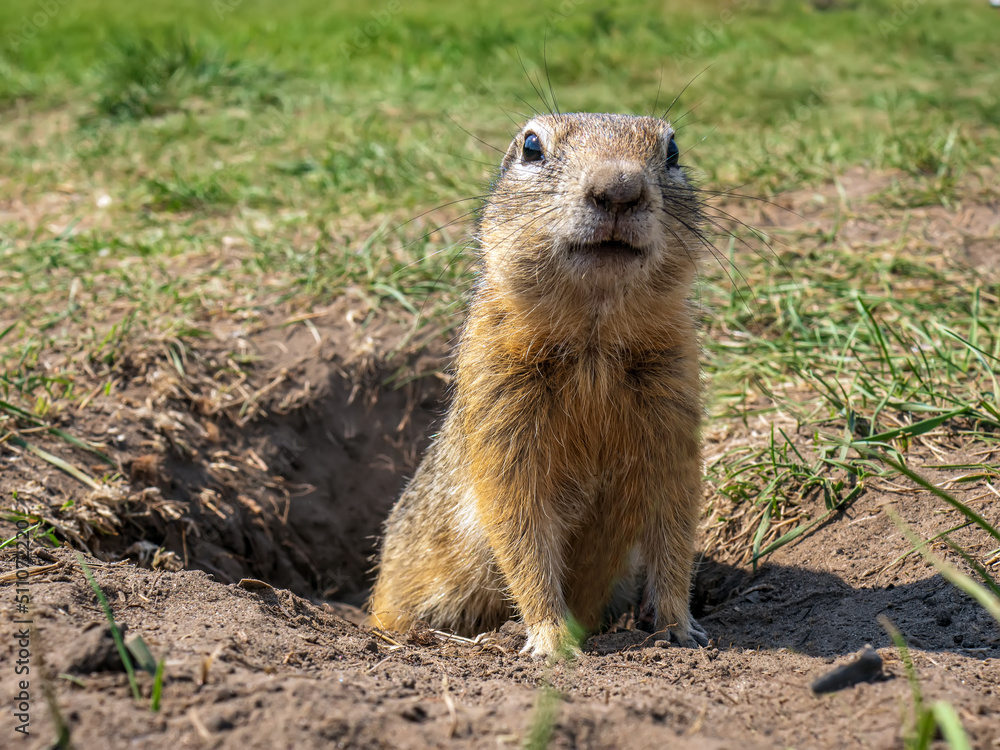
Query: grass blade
[
  {"x": 917, "y": 428},
  {"x": 958, "y": 505},
  {"x": 951, "y": 726},
  {"x": 14, "y": 539},
  {"x": 974, "y": 564},
  {"x": 543, "y": 719},
  {"x": 71, "y": 439},
  {"x": 924, "y": 543},
  {"x": 55, "y": 461},
  {"x": 954, "y": 576},
  {"x": 115, "y": 631},
  {"x": 143, "y": 658},
  {"x": 762, "y": 527},
  {"x": 802, "y": 528},
  {"x": 154, "y": 701}
]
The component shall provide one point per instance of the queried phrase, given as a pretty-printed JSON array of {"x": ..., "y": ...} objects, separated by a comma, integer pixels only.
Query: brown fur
[{"x": 570, "y": 458}]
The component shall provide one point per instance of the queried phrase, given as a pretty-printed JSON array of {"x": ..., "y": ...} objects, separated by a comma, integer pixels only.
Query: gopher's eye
[
  {"x": 532, "y": 150},
  {"x": 673, "y": 154}
]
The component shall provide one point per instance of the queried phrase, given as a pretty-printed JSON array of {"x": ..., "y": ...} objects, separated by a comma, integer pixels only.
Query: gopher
[{"x": 567, "y": 473}]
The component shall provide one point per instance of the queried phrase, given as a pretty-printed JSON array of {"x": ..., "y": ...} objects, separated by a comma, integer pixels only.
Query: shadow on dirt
[{"x": 819, "y": 614}]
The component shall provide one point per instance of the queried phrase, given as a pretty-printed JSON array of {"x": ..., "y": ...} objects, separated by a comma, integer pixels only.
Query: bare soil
[
  {"x": 238, "y": 547},
  {"x": 266, "y": 668}
]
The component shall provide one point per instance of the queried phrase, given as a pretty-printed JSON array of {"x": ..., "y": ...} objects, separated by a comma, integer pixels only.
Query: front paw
[
  {"x": 696, "y": 636},
  {"x": 688, "y": 634},
  {"x": 551, "y": 640}
]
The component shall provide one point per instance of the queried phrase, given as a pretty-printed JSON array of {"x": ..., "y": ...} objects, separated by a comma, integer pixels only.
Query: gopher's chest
[
  {"x": 587, "y": 412},
  {"x": 576, "y": 414},
  {"x": 625, "y": 388}
]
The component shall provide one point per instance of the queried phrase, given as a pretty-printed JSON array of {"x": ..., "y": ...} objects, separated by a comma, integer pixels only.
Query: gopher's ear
[
  {"x": 510, "y": 156},
  {"x": 507, "y": 161}
]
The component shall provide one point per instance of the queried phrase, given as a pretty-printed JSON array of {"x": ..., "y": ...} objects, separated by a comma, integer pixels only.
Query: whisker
[
  {"x": 548, "y": 79},
  {"x": 656, "y": 101},
  {"x": 538, "y": 91},
  {"x": 681, "y": 93},
  {"x": 695, "y": 230},
  {"x": 475, "y": 137}
]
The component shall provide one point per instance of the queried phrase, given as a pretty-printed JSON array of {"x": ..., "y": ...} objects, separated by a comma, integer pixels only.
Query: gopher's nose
[{"x": 616, "y": 190}]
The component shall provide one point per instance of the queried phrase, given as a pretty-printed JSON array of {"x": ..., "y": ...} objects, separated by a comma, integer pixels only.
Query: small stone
[
  {"x": 97, "y": 651},
  {"x": 866, "y": 667}
]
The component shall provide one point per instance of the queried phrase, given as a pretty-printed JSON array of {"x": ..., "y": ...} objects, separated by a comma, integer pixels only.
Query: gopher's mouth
[{"x": 608, "y": 249}]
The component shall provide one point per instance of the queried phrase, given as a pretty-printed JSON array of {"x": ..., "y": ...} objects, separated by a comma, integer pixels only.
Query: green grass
[
  {"x": 197, "y": 122},
  {"x": 543, "y": 718},
  {"x": 144, "y": 78},
  {"x": 857, "y": 352},
  {"x": 779, "y": 94}
]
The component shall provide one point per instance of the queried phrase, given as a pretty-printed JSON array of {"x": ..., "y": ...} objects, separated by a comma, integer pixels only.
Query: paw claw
[{"x": 697, "y": 635}]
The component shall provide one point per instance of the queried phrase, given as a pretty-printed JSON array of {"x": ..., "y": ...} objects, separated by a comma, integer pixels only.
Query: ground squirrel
[{"x": 569, "y": 462}]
